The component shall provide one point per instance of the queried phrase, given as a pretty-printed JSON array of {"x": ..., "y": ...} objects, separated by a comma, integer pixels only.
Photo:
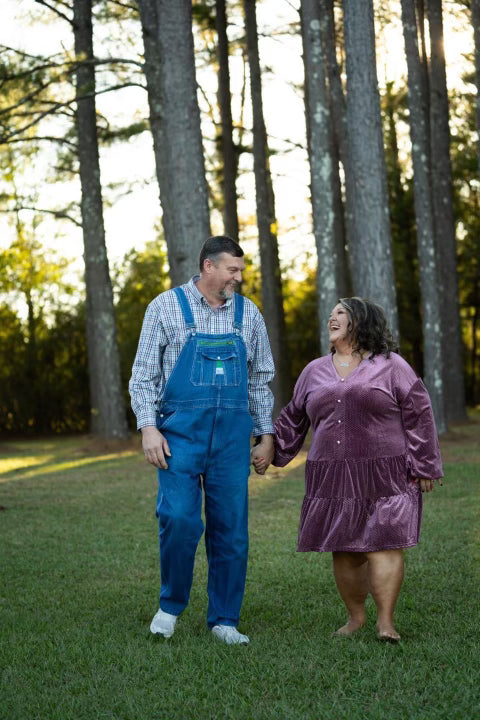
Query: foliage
[
  {"x": 12, "y": 351},
  {"x": 467, "y": 209},
  {"x": 140, "y": 277},
  {"x": 301, "y": 319},
  {"x": 51, "y": 397}
]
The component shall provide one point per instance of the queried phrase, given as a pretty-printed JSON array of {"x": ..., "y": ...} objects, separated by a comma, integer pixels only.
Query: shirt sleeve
[
  {"x": 261, "y": 371},
  {"x": 423, "y": 451},
  {"x": 146, "y": 370},
  {"x": 292, "y": 424}
]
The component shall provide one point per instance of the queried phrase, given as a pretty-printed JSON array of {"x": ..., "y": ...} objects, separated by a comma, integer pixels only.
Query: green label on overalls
[
  {"x": 215, "y": 343},
  {"x": 219, "y": 368}
]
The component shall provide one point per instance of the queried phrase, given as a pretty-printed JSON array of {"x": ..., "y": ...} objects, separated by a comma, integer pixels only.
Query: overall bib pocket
[{"x": 216, "y": 364}]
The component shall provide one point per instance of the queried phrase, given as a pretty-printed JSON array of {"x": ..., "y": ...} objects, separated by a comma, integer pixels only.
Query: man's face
[{"x": 225, "y": 275}]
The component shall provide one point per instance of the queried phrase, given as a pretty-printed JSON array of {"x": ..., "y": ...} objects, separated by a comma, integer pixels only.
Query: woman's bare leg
[
  {"x": 351, "y": 575},
  {"x": 385, "y": 577}
]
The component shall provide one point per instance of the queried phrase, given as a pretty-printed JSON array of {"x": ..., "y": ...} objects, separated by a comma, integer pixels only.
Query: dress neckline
[{"x": 337, "y": 374}]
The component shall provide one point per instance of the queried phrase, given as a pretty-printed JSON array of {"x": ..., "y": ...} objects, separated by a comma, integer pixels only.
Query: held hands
[
  {"x": 155, "y": 447},
  {"x": 427, "y": 484},
  {"x": 262, "y": 454}
]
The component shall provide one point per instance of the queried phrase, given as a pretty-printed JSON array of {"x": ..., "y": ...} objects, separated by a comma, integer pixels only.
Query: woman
[{"x": 374, "y": 451}]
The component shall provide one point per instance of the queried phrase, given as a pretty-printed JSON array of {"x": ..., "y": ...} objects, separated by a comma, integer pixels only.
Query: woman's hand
[
  {"x": 427, "y": 484},
  {"x": 262, "y": 454}
]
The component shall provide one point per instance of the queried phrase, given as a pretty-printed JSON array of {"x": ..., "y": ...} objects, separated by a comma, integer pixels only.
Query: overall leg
[
  {"x": 385, "y": 577},
  {"x": 179, "y": 507},
  {"x": 226, "y": 511},
  {"x": 351, "y": 576}
]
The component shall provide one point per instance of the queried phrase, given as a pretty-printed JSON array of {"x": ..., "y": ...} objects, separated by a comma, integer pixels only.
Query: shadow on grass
[{"x": 43, "y": 458}]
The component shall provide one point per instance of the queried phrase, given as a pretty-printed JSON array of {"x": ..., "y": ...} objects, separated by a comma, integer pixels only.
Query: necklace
[{"x": 344, "y": 364}]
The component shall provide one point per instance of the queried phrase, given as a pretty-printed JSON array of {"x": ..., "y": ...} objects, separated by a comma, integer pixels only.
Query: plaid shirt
[{"x": 163, "y": 336}]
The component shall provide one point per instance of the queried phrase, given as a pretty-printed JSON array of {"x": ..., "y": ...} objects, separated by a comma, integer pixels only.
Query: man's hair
[
  {"x": 216, "y": 245},
  {"x": 367, "y": 326}
]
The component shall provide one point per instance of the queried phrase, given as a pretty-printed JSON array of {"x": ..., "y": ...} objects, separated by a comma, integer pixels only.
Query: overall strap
[
  {"x": 238, "y": 317},
  {"x": 185, "y": 308}
]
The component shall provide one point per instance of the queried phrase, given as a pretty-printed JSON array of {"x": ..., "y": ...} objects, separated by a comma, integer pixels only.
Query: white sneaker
[
  {"x": 229, "y": 635},
  {"x": 163, "y": 624}
]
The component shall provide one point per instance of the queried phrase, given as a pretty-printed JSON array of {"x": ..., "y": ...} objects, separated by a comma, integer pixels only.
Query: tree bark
[
  {"x": 404, "y": 242},
  {"x": 338, "y": 113},
  {"x": 272, "y": 299},
  {"x": 317, "y": 111},
  {"x": 230, "y": 214},
  {"x": 339, "y": 227},
  {"x": 175, "y": 125},
  {"x": 108, "y": 417},
  {"x": 476, "y": 36},
  {"x": 433, "y": 357},
  {"x": 446, "y": 246},
  {"x": 370, "y": 247}
]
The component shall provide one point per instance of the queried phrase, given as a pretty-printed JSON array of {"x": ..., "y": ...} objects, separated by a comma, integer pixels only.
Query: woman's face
[{"x": 338, "y": 324}]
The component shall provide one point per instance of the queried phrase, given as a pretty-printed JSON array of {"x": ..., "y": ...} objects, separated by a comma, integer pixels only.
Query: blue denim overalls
[{"x": 205, "y": 419}]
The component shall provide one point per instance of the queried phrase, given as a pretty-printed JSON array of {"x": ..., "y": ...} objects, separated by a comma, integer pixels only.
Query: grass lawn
[{"x": 79, "y": 586}]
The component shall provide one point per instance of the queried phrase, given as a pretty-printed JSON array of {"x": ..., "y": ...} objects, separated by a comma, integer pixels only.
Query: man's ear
[{"x": 208, "y": 265}]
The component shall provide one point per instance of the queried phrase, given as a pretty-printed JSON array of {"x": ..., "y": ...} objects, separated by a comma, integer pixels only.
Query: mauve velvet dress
[{"x": 371, "y": 433}]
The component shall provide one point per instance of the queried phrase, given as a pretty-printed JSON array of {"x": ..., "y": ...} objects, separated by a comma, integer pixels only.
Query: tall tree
[
  {"x": 344, "y": 227},
  {"x": 317, "y": 110},
  {"x": 446, "y": 246},
  {"x": 107, "y": 402},
  {"x": 272, "y": 300},
  {"x": 432, "y": 342},
  {"x": 229, "y": 156},
  {"x": 476, "y": 36},
  {"x": 403, "y": 233},
  {"x": 370, "y": 247},
  {"x": 175, "y": 125}
]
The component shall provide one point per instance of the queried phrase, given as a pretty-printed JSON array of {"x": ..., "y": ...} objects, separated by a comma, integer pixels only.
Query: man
[{"x": 199, "y": 386}]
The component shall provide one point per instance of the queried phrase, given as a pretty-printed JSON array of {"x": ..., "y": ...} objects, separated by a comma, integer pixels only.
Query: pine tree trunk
[
  {"x": 108, "y": 417},
  {"x": 339, "y": 229},
  {"x": 432, "y": 343},
  {"x": 272, "y": 300},
  {"x": 175, "y": 125},
  {"x": 230, "y": 214},
  {"x": 476, "y": 36},
  {"x": 338, "y": 114},
  {"x": 317, "y": 111},
  {"x": 404, "y": 244},
  {"x": 446, "y": 246},
  {"x": 370, "y": 247},
  {"x": 420, "y": 14}
]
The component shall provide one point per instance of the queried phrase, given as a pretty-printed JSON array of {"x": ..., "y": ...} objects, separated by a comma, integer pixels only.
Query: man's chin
[{"x": 226, "y": 293}]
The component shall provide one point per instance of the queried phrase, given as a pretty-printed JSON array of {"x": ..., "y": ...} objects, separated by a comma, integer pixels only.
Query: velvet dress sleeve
[
  {"x": 423, "y": 451},
  {"x": 292, "y": 424}
]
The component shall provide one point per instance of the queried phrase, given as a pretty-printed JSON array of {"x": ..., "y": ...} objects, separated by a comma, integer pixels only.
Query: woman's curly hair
[{"x": 368, "y": 327}]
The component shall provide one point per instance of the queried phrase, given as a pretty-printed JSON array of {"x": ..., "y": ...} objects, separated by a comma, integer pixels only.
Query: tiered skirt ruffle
[{"x": 359, "y": 505}]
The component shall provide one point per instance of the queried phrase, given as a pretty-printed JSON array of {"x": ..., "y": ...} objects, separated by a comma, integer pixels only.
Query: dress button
[
  {"x": 339, "y": 401},
  {"x": 343, "y": 379},
  {"x": 338, "y": 442},
  {"x": 339, "y": 421}
]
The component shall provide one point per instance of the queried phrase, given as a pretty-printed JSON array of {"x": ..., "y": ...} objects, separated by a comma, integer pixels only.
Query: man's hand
[
  {"x": 262, "y": 454},
  {"x": 155, "y": 447}
]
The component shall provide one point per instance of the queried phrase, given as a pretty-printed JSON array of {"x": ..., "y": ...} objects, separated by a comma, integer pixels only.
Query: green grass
[{"x": 79, "y": 585}]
